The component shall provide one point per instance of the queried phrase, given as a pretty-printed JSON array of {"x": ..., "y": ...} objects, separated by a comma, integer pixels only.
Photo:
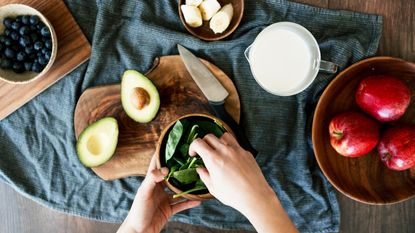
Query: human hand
[
  {"x": 234, "y": 178},
  {"x": 231, "y": 174},
  {"x": 152, "y": 206}
]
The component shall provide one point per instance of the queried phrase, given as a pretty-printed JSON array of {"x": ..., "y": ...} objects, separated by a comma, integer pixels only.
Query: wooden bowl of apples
[
  {"x": 211, "y": 20},
  {"x": 364, "y": 131}
]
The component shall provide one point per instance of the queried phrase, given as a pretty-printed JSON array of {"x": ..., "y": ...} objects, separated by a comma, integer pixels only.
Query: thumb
[
  {"x": 204, "y": 176},
  {"x": 155, "y": 176}
]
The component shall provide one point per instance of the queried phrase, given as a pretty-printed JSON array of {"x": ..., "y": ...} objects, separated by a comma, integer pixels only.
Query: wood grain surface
[
  {"x": 179, "y": 95},
  {"x": 73, "y": 50},
  {"x": 365, "y": 178},
  {"x": 19, "y": 215}
]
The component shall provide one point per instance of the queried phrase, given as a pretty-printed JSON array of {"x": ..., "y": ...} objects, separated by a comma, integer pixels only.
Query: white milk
[{"x": 283, "y": 59}]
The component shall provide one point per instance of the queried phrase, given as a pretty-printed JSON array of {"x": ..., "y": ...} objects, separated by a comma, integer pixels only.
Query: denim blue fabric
[{"x": 37, "y": 142}]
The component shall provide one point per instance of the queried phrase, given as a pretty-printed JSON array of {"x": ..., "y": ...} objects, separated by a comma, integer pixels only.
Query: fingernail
[{"x": 164, "y": 170}]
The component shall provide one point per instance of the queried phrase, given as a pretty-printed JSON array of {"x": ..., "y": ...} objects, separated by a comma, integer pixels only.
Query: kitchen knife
[{"x": 214, "y": 92}]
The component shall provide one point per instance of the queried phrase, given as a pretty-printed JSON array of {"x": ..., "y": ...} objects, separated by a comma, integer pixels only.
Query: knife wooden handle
[{"x": 221, "y": 113}]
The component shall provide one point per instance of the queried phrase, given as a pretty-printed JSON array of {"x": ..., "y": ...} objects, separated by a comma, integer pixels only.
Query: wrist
[{"x": 266, "y": 214}]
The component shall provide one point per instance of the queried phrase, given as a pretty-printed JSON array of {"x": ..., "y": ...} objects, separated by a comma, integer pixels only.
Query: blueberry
[
  {"x": 15, "y": 25},
  {"x": 48, "y": 44},
  {"x": 36, "y": 67},
  {"x": 14, "y": 36},
  {"x": 38, "y": 45},
  {"x": 21, "y": 56},
  {"x": 42, "y": 60},
  {"x": 2, "y": 38},
  {"x": 18, "y": 67},
  {"x": 24, "y": 41},
  {"x": 27, "y": 66},
  {"x": 8, "y": 42},
  {"x": 19, "y": 18},
  {"x": 29, "y": 50},
  {"x": 6, "y": 64},
  {"x": 24, "y": 30},
  {"x": 7, "y": 32},
  {"x": 45, "y": 31},
  {"x": 8, "y": 22},
  {"x": 9, "y": 53},
  {"x": 34, "y": 19},
  {"x": 25, "y": 19},
  {"x": 47, "y": 55}
]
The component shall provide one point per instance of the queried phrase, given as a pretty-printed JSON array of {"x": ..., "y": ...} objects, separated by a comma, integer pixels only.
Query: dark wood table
[{"x": 18, "y": 214}]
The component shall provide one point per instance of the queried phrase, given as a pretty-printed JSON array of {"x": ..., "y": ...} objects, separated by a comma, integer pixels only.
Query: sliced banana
[
  {"x": 193, "y": 2},
  {"x": 192, "y": 16},
  {"x": 208, "y": 8},
  {"x": 221, "y": 20}
]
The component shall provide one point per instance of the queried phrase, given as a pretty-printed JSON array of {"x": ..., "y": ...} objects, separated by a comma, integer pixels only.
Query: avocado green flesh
[
  {"x": 97, "y": 143},
  {"x": 130, "y": 81}
]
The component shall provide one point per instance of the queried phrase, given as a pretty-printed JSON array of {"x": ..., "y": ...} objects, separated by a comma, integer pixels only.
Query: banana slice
[
  {"x": 192, "y": 16},
  {"x": 208, "y": 8},
  {"x": 221, "y": 20},
  {"x": 193, "y": 2}
]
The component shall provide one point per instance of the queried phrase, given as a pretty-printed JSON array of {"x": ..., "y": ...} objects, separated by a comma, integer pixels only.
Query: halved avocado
[
  {"x": 97, "y": 143},
  {"x": 140, "y": 98}
]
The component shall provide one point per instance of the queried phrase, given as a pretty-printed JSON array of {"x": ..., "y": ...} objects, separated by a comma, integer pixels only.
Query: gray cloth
[{"x": 37, "y": 142}]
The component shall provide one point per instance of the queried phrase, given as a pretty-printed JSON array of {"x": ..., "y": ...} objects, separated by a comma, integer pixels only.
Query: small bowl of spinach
[{"x": 173, "y": 152}]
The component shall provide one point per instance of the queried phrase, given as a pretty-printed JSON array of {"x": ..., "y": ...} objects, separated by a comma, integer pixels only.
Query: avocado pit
[{"x": 140, "y": 98}]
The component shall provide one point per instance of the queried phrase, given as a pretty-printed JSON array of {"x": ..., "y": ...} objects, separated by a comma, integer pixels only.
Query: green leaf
[
  {"x": 184, "y": 150},
  {"x": 199, "y": 185},
  {"x": 174, "y": 138},
  {"x": 207, "y": 127},
  {"x": 172, "y": 169},
  {"x": 186, "y": 176},
  {"x": 192, "y": 162},
  {"x": 193, "y": 134}
]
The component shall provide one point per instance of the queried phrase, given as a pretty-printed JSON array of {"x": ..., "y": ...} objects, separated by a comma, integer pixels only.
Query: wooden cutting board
[
  {"x": 73, "y": 50},
  {"x": 179, "y": 95}
]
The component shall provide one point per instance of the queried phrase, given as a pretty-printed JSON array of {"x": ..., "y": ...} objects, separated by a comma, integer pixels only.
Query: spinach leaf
[
  {"x": 174, "y": 138},
  {"x": 193, "y": 134},
  {"x": 178, "y": 160},
  {"x": 207, "y": 127},
  {"x": 192, "y": 162},
  {"x": 186, "y": 176},
  {"x": 184, "y": 150},
  {"x": 199, "y": 185},
  {"x": 172, "y": 169}
]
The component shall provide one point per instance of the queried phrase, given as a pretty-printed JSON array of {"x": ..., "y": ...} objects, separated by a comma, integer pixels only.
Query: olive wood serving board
[
  {"x": 179, "y": 95},
  {"x": 73, "y": 50}
]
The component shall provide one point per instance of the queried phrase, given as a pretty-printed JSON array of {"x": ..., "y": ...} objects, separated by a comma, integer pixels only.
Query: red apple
[
  {"x": 397, "y": 147},
  {"x": 353, "y": 134},
  {"x": 384, "y": 97}
]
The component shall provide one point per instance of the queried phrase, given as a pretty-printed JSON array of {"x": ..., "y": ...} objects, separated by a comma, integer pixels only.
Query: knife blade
[{"x": 214, "y": 92}]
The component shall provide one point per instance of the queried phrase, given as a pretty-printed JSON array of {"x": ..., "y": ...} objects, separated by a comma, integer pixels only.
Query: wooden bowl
[
  {"x": 162, "y": 144},
  {"x": 365, "y": 179},
  {"x": 13, "y": 10},
  {"x": 205, "y": 33}
]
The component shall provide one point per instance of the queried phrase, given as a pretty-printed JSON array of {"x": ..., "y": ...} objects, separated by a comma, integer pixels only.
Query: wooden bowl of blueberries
[{"x": 28, "y": 44}]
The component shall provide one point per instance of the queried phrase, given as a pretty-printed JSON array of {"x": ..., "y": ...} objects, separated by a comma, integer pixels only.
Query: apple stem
[
  {"x": 386, "y": 156},
  {"x": 338, "y": 135}
]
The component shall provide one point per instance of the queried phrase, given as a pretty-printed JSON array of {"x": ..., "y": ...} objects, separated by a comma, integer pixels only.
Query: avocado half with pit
[
  {"x": 97, "y": 143},
  {"x": 139, "y": 97}
]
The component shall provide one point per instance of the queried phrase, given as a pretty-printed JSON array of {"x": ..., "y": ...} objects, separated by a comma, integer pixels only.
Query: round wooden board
[{"x": 179, "y": 95}]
